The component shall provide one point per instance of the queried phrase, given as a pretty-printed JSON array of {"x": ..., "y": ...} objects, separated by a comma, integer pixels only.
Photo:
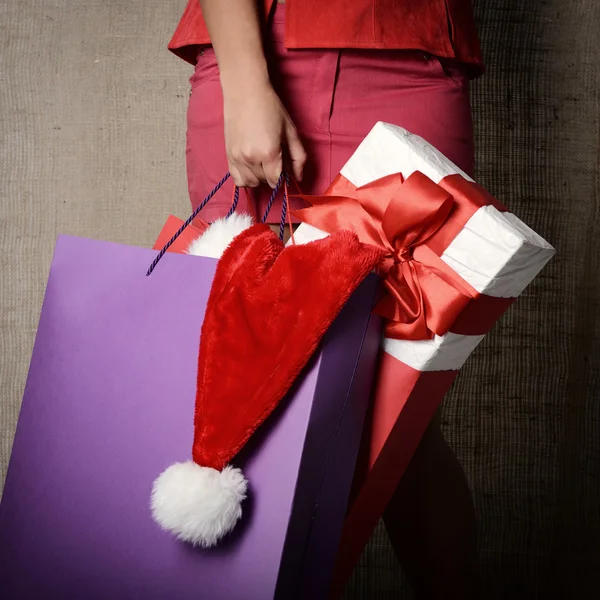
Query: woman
[{"x": 300, "y": 85}]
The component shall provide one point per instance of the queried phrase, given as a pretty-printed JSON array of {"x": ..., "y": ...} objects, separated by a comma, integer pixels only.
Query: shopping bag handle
[{"x": 283, "y": 179}]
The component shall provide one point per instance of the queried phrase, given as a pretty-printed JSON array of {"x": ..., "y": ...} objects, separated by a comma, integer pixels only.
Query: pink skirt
[{"x": 334, "y": 98}]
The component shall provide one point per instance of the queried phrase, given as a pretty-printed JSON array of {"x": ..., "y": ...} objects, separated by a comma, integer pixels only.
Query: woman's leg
[{"x": 431, "y": 523}]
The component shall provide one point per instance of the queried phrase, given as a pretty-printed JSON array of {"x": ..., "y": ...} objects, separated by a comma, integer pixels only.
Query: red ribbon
[{"x": 412, "y": 221}]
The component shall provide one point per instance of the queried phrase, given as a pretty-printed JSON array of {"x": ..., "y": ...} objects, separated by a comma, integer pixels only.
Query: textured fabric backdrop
[{"x": 92, "y": 115}]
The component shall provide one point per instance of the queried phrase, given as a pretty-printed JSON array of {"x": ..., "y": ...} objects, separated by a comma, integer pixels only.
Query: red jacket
[{"x": 444, "y": 28}]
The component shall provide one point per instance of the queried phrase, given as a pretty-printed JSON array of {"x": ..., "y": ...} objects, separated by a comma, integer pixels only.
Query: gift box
[
  {"x": 108, "y": 405},
  {"x": 457, "y": 259}
]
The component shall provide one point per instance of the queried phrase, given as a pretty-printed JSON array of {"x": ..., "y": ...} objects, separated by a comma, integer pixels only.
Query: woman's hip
[{"x": 335, "y": 98}]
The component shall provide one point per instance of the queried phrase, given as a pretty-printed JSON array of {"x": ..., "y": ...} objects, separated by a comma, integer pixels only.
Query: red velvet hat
[{"x": 268, "y": 309}]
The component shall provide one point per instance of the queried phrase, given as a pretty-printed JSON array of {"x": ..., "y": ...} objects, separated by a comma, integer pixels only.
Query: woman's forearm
[
  {"x": 259, "y": 133},
  {"x": 235, "y": 32}
]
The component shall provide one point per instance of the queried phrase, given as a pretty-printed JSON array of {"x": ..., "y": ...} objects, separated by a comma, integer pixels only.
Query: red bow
[{"x": 424, "y": 295}]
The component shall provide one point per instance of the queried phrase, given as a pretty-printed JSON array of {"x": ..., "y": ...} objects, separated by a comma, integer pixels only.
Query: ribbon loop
[{"x": 424, "y": 296}]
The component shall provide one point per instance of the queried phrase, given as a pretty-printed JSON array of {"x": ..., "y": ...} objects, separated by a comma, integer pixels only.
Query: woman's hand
[{"x": 259, "y": 134}]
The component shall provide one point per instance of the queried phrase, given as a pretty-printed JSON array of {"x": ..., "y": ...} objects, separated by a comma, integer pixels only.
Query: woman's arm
[{"x": 257, "y": 127}]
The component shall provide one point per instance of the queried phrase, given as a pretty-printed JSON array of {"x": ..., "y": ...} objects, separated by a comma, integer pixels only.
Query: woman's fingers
[
  {"x": 250, "y": 169},
  {"x": 242, "y": 176},
  {"x": 295, "y": 150},
  {"x": 272, "y": 167}
]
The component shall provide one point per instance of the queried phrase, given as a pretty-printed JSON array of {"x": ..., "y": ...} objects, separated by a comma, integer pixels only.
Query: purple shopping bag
[{"x": 108, "y": 406}]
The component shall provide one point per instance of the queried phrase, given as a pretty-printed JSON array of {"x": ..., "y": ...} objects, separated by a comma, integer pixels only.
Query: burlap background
[{"x": 92, "y": 115}]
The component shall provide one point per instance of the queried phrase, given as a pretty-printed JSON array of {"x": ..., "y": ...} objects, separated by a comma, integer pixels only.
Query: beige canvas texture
[{"x": 92, "y": 143}]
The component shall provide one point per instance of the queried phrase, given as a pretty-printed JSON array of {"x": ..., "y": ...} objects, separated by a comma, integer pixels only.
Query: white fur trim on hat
[
  {"x": 214, "y": 241},
  {"x": 198, "y": 504}
]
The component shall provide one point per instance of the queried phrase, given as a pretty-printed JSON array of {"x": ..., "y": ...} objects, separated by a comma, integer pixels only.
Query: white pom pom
[
  {"x": 198, "y": 504},
  {"x": 214, "y": 241}
]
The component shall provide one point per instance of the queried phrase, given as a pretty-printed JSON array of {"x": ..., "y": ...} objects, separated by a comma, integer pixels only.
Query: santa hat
[{"x": 268, "y": 309}]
